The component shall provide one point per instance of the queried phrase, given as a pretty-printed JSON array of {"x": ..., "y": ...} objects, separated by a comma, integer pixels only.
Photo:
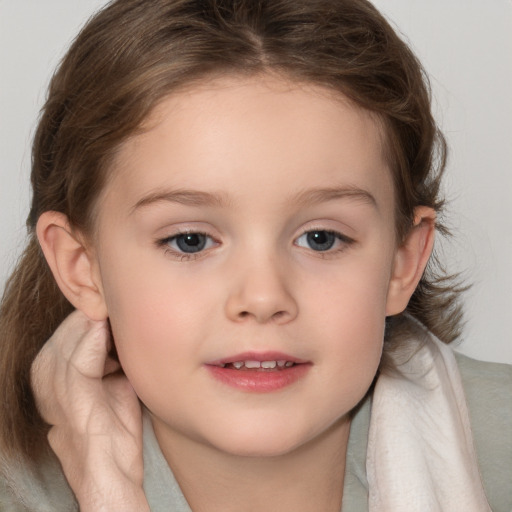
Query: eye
[
  {"x": 188, "y": 243},
  {"x": 321, "y": 240}
]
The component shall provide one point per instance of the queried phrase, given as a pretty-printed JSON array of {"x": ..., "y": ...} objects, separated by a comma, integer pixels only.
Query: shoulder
[
  {"x": 24, "y": 488},
  {"x": 488, "y": 389},
  {"x": 7, "y": 498}
]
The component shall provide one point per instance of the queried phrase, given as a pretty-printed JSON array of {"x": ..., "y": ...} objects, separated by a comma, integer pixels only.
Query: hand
[{"x": 95, "y": 416}]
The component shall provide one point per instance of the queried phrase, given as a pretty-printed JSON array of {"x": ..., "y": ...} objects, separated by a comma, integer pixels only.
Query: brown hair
[{"x": 130, "y": 56}]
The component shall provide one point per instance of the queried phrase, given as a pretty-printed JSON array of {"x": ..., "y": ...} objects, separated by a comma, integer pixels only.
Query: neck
[{"x": 307, "y": 478}]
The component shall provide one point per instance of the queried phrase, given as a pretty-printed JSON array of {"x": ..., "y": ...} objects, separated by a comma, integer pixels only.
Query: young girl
[{"x": 239, "y": 200}]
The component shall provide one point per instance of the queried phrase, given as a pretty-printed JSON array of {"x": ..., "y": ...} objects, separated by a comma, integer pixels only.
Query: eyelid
[
  {"x": 342, "y": 238},
  {"x": 344, "y": 241},
  {"x": 327, "y": 226},
  {"x": 163, "y": 242},
  {"x": 337, "y": 234}
]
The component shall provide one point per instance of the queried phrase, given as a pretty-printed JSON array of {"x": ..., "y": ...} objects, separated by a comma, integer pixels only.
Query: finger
[
  {"x": 50, "y": 369},
  {"x": 43, "y": 366},
  {"x": 50, "y": 364},
  {"x": 41, "y": 373},
  {"x": 69, "y": 332},
  {"x": 90, "y": 353}
]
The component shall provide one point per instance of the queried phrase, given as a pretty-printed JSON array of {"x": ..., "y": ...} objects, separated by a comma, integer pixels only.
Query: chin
[
  {"x": 259, "y": 449},
  {"x": 260, "y": 442}
]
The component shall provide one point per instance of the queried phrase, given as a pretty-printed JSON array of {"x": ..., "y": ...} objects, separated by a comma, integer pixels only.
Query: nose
[{"x": 259, "y": 292}]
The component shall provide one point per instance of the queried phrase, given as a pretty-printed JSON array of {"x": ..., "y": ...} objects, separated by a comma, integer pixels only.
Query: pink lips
[{"x": 259, "y": 372}]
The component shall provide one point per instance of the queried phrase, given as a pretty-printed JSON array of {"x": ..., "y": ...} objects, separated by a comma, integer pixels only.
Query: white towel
[{"x": 420, "y": 455}]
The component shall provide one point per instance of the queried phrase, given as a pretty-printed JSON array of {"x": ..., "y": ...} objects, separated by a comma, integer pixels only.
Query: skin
[
  {"x": 263, "y": 148},
  {"x": 95, "y": 417}
]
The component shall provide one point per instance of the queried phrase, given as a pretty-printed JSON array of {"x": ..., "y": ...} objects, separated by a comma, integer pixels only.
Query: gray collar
[{"x": 164, "y": 494}]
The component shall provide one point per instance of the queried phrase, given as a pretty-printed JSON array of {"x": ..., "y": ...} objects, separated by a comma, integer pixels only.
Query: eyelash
[
  {"x": 343, "y": 240},
  {"x": 183, "y": 256}
]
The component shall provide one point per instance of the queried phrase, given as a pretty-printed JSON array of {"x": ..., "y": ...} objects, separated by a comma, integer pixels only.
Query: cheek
[
  {"x": 352, "y": 293},
  {"x": 157, "y": 316},
  {"x": 348, "y": 312},
  {"x": 149, "y": 295}
]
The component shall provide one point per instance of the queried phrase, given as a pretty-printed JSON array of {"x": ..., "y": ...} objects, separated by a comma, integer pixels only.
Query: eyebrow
[
  {"x": 321, "y": 195},
  {"x": 182, "y": 196},
  {"x": 302, "y": 199}
]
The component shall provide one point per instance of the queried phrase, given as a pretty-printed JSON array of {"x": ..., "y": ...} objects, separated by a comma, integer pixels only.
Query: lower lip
[{"x": 259, "y": 381}]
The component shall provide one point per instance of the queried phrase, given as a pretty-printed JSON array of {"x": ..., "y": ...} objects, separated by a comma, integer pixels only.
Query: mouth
[
  {"x": 258, "y": 365},
  {"x": 259, "y": 372}
]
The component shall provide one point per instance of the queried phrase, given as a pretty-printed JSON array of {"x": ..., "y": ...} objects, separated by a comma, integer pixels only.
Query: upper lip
[{"x": 257, "y": 356}]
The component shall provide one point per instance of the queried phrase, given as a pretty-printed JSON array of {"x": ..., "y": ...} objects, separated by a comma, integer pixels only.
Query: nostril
[{"x": 278, "y": 315}]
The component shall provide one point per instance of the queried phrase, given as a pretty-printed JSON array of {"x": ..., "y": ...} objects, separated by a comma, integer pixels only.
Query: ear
[
  {"x": 73, "y": 266},
  {"x": 410, "y": 260}
]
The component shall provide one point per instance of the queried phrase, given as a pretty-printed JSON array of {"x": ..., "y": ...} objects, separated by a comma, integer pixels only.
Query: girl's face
[{"x": 253, "y": 222}]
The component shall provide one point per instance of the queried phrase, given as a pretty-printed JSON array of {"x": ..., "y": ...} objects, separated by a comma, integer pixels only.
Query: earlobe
[
  {"x": 71, "y": 264},
  {"x": 410, "y": 261}
]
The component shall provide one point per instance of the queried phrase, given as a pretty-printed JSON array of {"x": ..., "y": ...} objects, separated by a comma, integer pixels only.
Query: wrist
[
  {"x": 107, "y": 488},
  {"x": 122, "y": 499}
]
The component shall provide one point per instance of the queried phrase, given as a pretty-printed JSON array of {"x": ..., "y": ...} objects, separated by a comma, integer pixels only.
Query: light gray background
[{"x": 465, "y": 45}]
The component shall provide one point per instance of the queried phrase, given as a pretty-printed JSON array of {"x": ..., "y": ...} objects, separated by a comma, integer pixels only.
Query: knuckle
[{"x": 54, "y": 439}]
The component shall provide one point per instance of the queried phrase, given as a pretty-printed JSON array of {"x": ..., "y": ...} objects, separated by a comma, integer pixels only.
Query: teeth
[{"x": 268, "y": 365}]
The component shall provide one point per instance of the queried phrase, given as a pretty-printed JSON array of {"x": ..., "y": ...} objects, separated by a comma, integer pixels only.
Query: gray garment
[
  {"x": 164, "y": 494},
  {"x": 162, "y": 491},
  {"x": 488, "y": 388}
]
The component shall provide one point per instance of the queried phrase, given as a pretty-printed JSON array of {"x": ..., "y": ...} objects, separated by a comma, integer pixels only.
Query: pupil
[
  {"x": 191, "y": 242},
  {"x": 321, "y": 240}
]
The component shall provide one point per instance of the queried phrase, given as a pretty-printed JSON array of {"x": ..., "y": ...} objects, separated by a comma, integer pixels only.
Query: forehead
[{"x": 247, "y": 136}]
